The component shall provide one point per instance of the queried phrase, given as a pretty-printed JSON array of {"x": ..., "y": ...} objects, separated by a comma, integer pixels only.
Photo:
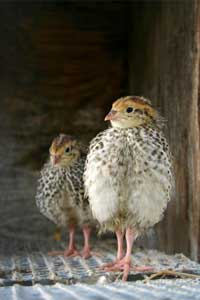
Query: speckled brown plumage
[
  {"x": 128, "y": 175},
  {"x": 60, "y": 192}
]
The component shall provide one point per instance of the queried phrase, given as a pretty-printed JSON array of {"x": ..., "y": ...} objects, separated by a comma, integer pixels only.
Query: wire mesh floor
[
  {"x": 28, "y": 263},
  {"x": 27, "y": 272},
  {"x": 167, "y": 289}
]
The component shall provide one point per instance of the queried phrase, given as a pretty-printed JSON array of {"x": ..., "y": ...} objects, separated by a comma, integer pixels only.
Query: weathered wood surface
[{"x": 164, "y": 66}]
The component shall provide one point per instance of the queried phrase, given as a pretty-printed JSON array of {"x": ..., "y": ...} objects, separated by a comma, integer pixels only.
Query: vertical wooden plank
[
  {"x": 164, "y": 66},
  {"x": 194, "y": 145}
]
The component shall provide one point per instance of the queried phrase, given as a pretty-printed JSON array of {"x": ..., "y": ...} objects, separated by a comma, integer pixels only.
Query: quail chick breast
[
  {"x": 54, "y": 198},
  {"x": 128, "y": 174}
]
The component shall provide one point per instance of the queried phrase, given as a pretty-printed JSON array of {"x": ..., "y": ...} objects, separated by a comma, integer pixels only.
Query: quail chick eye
[
  {"x": 129, "y": 109},
  {"x": 67, "y": 150}
]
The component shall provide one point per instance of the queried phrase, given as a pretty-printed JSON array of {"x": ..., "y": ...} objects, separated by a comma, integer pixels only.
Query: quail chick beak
[
  {"x": 55, "y": 159},
  {"x": 111, "y": 115}
]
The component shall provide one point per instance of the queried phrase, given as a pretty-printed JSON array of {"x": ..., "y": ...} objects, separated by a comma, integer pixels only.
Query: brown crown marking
[
  {"x": 61, "y": 140},
  {"x": 130, "y": 100},
  {"x": 139, "y": 99},
  {"x": 137, "y": 102}
]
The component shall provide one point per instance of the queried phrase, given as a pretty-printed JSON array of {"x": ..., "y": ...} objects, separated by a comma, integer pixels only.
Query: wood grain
[{"x": 164, "y": 66}]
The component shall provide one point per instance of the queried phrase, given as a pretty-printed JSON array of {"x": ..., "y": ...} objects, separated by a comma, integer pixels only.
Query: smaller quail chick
[{"x": 60, "y": 192}]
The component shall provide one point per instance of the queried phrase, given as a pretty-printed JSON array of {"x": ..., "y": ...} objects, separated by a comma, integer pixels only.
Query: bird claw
[
  {"x": 126, "y": 270},
  {"x": 108, "y": 266},
  {"x": 87, "y": 253},
  {"x": 118, "y": 266},
  {"x": 125, "y": 266},
  {"x": 71, "y": 252}
]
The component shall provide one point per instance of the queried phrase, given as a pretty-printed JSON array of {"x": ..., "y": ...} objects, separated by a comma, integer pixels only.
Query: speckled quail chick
[
  {"x": 128, "y": 176},
  {"x": 60, "y": 192}
]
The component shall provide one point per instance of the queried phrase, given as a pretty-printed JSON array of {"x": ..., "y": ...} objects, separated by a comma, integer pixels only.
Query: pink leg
[
  {"x": 71, "y": 249},
  {"x": 125, "y": 263},
  {"x": 86, "y": 252},
  {"x": 120, "y": 252},
  {"x": 130, "y": 237}
]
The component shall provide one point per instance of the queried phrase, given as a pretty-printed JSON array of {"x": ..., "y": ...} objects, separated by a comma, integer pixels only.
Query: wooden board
[{"x": 164, "y": 55}]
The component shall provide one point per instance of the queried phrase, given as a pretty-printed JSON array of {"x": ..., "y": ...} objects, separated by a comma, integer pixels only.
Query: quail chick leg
[
  {"x": 71, "y": 249},
  {"x": 86, "y": 252},
  {"x": 120, "y": 252},
  {"x": 125, "y": 264},
  {"x": 126, "y": 261}
]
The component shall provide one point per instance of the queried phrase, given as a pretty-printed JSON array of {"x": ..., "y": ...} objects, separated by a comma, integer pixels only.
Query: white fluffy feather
[{"x": 123, "y": 177}]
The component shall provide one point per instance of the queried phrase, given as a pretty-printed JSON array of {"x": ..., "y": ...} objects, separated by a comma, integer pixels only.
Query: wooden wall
[
  {"x": 164, "y": 65},
  {"x": 61, "y": 63}
]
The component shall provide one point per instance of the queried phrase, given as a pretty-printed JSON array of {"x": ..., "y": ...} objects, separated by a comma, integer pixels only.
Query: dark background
[{"x": 62, "y": 64}]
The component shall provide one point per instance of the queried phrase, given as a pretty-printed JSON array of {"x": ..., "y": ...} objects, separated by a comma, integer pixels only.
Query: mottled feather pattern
[
  {"x": 60, "y": 194},
  {"x": 128, "y": 177}
]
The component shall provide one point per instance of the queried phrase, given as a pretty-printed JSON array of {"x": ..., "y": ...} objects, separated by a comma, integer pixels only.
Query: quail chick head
[
  {"x": 64, "y": 151},
  {"x": 128, "y": 175},
  {"x": 60, "y": 192}
]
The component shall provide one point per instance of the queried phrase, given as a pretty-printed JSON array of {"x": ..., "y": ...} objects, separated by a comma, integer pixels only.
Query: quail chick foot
[
  {"x": 71, "y": 249},
  {"x": 125, "y": 264},
  {"x": 120, "y": 252},
  {"x": 86, "y": 252}
]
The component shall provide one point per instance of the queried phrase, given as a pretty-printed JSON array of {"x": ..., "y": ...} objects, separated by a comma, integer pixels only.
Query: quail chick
[
  {"x": 128, "y": 175},
  {"x": 60, "y": 192}
]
